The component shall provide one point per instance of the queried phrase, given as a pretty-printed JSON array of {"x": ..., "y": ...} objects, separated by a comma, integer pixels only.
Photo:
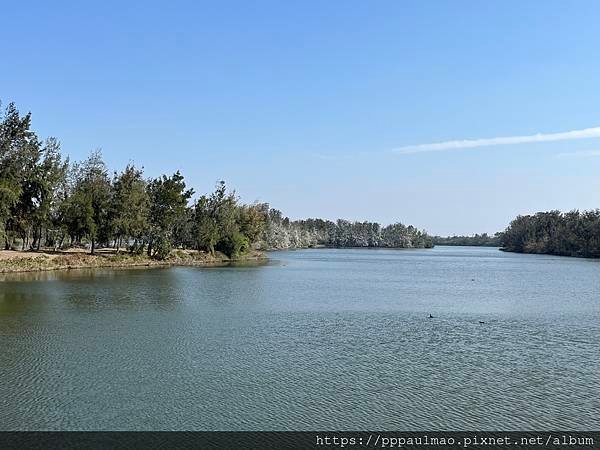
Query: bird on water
[{"x": 430, "y": 316}]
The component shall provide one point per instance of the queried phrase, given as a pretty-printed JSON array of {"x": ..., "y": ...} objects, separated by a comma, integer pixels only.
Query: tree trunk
[{"x": 93, "y": 246}]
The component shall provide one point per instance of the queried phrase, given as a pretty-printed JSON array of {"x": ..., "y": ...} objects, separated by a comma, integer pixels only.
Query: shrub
[{"x": 234, "y": 244}]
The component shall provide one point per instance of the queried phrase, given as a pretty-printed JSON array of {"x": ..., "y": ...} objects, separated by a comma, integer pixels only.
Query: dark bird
[
  {"x": 430, "y": 316},
  {"x": 481, "y": 321}
]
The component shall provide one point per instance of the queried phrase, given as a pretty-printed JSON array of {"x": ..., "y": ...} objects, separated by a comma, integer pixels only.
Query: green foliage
[
  {"x": 206, "y": 232},
  {"x": 253, "y": 221},
  {"x": 568, "y": 234},
  {"x": 30, "y": 172},
  {"x": 234, "y": 244},
  {"x": 168, "y": 198},
  {"x": 130, "y": 205},
  {"x": 479, "y": 240},
  {"x": 19, "y": 151},
  {"x": 221, "y": 223},
  {"x": 162, "y": 247},
  {"x": 93, "y": 192}
]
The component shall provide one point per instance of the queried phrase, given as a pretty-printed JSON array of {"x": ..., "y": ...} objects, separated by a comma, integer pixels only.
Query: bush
[
  {"x": 234, "y": 244},
  {"x": 162, "y": 248}
]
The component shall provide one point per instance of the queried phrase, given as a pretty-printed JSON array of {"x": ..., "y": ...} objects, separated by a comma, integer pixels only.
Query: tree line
[
  {"x": 48, "y": 201},
  {"x": 477, "y": 240},
  {"x": 573, "y": 233},
  {"x": 282, "y": 233}
]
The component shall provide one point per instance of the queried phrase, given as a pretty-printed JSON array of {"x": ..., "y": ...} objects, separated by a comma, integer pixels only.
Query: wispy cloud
[
  {"x": 580, "y": 154},
  {"x": 507, "y": 140}
]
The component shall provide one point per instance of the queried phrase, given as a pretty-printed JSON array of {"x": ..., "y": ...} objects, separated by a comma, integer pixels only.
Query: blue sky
[{"x": 316, "y": 107}]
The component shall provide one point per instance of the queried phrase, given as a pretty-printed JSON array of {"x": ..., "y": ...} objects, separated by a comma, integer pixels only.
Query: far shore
[{"x": 12, "y": 261}]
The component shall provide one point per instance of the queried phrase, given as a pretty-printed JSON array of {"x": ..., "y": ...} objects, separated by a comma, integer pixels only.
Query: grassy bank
[{"x": 17, "y": 261}]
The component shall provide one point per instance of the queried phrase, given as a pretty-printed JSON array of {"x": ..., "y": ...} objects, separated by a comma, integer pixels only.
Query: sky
[{"x": 454, "y": 116}]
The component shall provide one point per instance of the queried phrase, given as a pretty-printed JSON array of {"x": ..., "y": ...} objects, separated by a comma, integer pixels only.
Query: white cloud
[
  {"x": 580, "y": 154},
  {"x": 509, "y": 140}
]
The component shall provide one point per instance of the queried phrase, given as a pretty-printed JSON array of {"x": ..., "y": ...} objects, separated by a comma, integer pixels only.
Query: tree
[
  {"x": 253, "y": 220},
  {"x": 16, "y": 143},
  {"x": 168, "y": 202},
  {"x": 215, "y": 220},
  {"x": 91, "y": 199},
  {"x": 221, "y": 223},
  {"x": 129, "y": 207},
  {"x": 48, "y": 175},
  {"x": 206, "y": 231}
]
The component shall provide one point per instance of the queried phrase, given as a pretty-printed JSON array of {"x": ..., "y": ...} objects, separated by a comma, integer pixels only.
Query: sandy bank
[{"x": 28, "y": 261}]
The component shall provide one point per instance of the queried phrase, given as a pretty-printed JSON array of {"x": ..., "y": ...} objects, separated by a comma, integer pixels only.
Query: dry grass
[{"x": 27, "y": 261}]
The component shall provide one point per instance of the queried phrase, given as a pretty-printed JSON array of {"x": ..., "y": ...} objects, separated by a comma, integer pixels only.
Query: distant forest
[
  {"x": 479, "y": 240},
  {"x": 48, "y": 202},
  {"x": 567, "y": 234},
  {"x": 282, "y": 233}
]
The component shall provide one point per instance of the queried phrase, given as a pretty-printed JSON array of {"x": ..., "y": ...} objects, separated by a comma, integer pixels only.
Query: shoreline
[
  {"x": 561, "y": 255},
  {"x": 42, "y": 261}
]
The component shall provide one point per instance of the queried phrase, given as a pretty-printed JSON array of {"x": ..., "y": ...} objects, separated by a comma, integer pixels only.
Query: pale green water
[{"x": 318, "y": 339}]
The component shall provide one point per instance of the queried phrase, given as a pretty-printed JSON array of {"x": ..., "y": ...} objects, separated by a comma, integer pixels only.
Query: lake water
[{"x": 315, "y": 339}]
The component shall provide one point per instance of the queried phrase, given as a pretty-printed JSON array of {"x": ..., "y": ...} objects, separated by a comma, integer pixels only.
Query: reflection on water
[{"x": 317, "y": 339}]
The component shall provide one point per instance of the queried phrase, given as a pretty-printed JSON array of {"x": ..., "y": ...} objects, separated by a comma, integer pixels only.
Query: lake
[{"x": 315, "y": 339}]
